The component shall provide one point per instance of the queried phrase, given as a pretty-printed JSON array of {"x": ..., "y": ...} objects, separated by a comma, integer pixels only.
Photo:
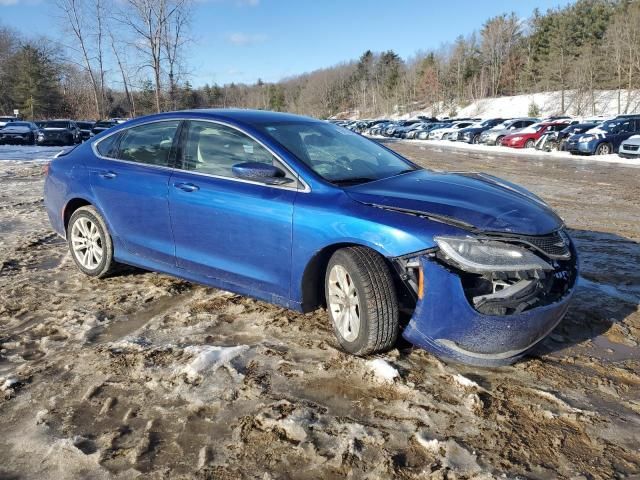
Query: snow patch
[
  {"x": 382, "y": 371},
  {"x": 465, "y": 382},
  {"x": 211, "y": 358}
]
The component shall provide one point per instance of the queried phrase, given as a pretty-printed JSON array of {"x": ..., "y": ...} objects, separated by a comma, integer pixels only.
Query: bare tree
[
  {"x": 125, "y": 76},
  {"x": 174, "y": 38},
  {"x": 89, "y": 41},
  {"x": 148, "y": 22}
]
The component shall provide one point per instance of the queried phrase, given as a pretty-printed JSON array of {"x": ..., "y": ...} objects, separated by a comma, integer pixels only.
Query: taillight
[
  {"x": 420, "y": 283},
  {"x": 45, "y": 169}
]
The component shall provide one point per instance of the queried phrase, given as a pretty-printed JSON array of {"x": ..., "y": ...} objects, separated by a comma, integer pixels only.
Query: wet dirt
[{"x": 141, "y": 374}]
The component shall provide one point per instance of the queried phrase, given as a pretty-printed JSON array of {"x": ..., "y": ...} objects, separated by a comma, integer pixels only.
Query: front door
[
  {"x": 226, "y": 228},
  {"x": 130, "y": 180}
]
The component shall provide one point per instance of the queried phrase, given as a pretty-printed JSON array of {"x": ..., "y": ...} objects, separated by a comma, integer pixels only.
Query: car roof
[{"x": 248, "y": 116}]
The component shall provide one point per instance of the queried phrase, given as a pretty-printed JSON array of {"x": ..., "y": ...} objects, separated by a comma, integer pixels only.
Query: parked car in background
[
  {"x": 85, "y": 127},
  {"x": 606, "y": 137},
  {"x": 101, "y": 126},
  {"x": 59, "y": 132},
  {"x": 5, "y": 120},
  {"x": 443, "y": 133},
  {"x": 630, "y": 148},
  {"x": 566, "y": 133},
  {"x": 494, "y": 135},
  {"x": 19, "y": 133},
  {"x": 409, "y": 131},
  {"x": 472, "y": 133},
  {"x": 292, "y": 210},
  {"x": 527, "y": 137},
  {"x": 422, "y": 133}
]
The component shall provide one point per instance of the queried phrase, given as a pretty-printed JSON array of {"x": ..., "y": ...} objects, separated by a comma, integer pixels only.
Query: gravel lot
[{"x": 143, "y": 374}]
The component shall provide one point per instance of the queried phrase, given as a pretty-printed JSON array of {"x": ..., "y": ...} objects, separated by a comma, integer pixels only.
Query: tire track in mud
[{"x": 101, "y": 376}]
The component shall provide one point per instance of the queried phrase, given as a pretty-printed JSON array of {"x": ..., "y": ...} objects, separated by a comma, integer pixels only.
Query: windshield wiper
[{"x": 352, "y": 180}]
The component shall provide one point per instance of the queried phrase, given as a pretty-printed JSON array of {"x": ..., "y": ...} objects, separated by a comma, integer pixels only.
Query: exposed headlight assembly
[
  {"x": 585, "y": 139},
  {"x": 480, "y": 256}
]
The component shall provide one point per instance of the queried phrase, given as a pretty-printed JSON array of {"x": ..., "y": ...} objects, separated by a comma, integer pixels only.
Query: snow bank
[{"x": 548, "y": 103}]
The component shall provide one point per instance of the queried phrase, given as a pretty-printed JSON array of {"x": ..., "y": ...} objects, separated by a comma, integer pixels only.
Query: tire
[
  {"x": 604, "y": 149},
  {"x": 529, "y": 144},
  {"x": 499, "y": 141},
  {"x": 84, "y": 222},
  {"x": 370, "y": 290},
  {"x": 476, "y": 139}
]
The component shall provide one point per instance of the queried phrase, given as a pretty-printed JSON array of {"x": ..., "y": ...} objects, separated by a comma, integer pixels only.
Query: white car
[
  {"x": 5, "y": 120},
  {"x": 441, "y": 133},
  {"x": 630, "y": 148}
]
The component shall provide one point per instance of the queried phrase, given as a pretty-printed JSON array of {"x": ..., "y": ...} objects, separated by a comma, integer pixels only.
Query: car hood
[
  {"x": 469, "y": 200},
  {"x": 15, "y": 130},
  {"x": 633, "y": 140}
]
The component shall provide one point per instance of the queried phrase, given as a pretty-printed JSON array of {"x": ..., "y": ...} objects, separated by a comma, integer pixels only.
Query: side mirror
[{"x": 260, "y": 172}]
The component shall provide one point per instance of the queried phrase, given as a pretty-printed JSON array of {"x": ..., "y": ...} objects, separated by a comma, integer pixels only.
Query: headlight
[
  {"x": 516, "y": 139},
  {"x": 479, "y": 256},
  {"x": 585, "y": 139}
]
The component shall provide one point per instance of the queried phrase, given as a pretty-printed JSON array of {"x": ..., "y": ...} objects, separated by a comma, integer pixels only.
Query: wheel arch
[
  {"x": 312, "y": 281},
  {"x": 71, "y": 206}
]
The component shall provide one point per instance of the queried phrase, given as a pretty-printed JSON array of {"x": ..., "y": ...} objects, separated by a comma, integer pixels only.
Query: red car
[{"x": 527, "y": 137}]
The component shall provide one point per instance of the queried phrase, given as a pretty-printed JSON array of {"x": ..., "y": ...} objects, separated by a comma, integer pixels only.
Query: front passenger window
[{"x": 149, "y": 144}]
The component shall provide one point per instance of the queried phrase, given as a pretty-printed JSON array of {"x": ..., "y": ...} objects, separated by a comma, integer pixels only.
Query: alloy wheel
[
  {"x": 344, "y": 303},
  {"x": 87, "y": 243}
]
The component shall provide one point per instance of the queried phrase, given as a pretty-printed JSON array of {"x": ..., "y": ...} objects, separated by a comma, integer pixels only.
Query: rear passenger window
[
  {"x": 108, "y": 146},
  {"x": 149, "y": 144},
  {"x": 214, "y": 149}
]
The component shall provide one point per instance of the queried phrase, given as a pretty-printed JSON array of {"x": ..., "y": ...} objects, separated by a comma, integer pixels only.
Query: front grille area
[{"x": 631, "y": 148}]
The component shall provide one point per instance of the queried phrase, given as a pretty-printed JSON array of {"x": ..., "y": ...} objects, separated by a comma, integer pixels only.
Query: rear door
[
  {"x": 224, "y": 227},
  {"x": 130, "y": 180}
]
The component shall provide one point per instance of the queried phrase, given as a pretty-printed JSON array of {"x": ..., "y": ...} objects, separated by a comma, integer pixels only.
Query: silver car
[
  {"x": 495, "y": 134},
  {"x": 630, "y": 148}
]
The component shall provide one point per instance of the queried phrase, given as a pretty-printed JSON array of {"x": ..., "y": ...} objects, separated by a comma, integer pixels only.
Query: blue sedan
[{"x": 305, "y": 214}]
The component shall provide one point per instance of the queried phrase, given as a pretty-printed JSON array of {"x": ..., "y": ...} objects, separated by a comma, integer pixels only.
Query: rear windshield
[
  {"x": 19, "y": 124},
  {"x": 55, "y": 125}
]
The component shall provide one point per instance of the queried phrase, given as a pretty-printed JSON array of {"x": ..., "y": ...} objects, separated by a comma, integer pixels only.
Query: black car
[
  {"x": 101, "y": 126},
  {"x": 85, "y": 129},
  {"x": 59, "y": 132},
  {"x": 19, "y": 133},
  {"x": 472, "y": 134}
]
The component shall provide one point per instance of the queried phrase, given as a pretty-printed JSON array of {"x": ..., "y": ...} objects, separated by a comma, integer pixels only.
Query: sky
[{"x": 243, "y": 40}]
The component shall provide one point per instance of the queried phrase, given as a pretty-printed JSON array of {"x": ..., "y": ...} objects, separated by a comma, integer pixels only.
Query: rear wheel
[
  {"x": 604, "y": 149},
  {"x": 499, "y": 140},
  {"x": 476, "y": 139},
  {"x": 529, "y": 144},
  {"x": 90, "y": 243},
  {"x": 361, "y": 300}
]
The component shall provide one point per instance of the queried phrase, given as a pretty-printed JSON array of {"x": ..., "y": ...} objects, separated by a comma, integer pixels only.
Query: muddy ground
[{"x": 145, "y": 375}]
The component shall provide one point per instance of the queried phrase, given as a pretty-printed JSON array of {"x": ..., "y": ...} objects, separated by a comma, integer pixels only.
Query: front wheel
[
  {"x": 476, "y": 139},
  {"x": 603, "y": 149},
  {"x": 362, "y": 302},
  {"x": 529, "y": 144},
  {"x": 90, "y": 243}
]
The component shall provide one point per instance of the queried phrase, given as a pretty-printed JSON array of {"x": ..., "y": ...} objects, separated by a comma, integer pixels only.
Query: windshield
[
  {"x": 55, "y": 125},
  {"x": 338, "y": 155},
  {"x": 84, "y": 124},
  {"x": 104, "y": 124},
  {"x": 532, "y": 128},
  {"x": 18, "y": 124}
]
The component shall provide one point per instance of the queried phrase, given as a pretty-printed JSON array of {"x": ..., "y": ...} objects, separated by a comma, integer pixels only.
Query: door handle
[
  {"x": 108, "y": 175},
  {"x": 187, "y": 187}
]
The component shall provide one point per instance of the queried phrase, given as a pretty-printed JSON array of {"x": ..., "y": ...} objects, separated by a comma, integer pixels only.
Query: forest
[{"x": 131, "y": 58}]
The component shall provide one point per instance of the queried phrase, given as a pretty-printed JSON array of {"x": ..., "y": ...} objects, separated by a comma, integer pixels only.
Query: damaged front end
[{"x": 487, "y": 299}]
